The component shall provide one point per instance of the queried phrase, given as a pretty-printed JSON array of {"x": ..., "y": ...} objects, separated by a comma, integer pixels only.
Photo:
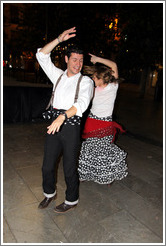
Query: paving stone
[
  {"x": 15, "y": 192},
  {"x": 123, "y": 227},
  {"x": 103, "y": 215},
  {"x": 32, "y": 225},
  {"x": 138, "y": 207},
  {"x": 8, "y": 236}
]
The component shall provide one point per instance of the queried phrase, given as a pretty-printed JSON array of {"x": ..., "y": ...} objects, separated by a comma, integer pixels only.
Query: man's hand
[
  {"x": 56, "y": 124},
  {"x": 67, "y": 34},
  {"x": 70, "y": 33}
]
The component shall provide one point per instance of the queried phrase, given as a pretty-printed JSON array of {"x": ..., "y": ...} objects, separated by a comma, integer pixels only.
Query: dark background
[
  {"x": 131, "y": 34},
  {"x": 140, "y": 30}
]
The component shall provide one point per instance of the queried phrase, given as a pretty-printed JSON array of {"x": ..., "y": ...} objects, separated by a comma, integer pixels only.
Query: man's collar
[{"x": 74, "y": 76}]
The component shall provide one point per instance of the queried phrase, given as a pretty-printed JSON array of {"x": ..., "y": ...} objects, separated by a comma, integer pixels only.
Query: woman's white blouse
[
  {"x": 104, "y": 99},
  {"x": 65, "y": 91}
]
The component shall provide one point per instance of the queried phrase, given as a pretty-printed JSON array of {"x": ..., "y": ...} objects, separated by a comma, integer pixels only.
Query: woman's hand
[
  {"x": 67, "y": 34},
  {"x": 56, "y": 124},
  {"x": 106, "y": 62},
  {"x": 93, "y": 58}
]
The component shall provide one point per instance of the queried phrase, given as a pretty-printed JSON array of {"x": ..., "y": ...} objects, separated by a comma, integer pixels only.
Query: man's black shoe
[
  {"x": 63, "y": 207},
  {"x": 46, "y": 201}
]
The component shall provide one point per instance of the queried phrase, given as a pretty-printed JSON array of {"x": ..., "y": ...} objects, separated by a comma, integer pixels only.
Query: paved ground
[{"x": 130, "y": 211}]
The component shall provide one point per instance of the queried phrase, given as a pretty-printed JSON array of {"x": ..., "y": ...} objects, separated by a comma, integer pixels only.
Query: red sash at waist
[{"x": 99, "y": 128}]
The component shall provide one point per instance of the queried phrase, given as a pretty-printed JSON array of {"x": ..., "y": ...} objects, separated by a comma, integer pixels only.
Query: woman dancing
[{"x": 101, "y": 160}]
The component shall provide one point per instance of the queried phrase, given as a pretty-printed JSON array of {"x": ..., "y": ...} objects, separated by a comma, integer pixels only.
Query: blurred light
[
  {"x": 127, "y": 50},
  {"x": 111, "y": 25},
  {"x": 117, "y": 36},
  {"x": 116, "y": 20}
]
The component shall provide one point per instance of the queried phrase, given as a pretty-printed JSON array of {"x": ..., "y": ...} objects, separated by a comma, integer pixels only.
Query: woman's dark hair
[
  {"x": 74, "y": 49},
  {"x": 101, "y": 72}
]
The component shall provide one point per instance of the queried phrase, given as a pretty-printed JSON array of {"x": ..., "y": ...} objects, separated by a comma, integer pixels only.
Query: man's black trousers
[{"x": 66, "y": 141}]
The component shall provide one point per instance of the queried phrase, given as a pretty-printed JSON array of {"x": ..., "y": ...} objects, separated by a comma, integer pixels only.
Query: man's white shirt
[{"x": 65, "y": 91}]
